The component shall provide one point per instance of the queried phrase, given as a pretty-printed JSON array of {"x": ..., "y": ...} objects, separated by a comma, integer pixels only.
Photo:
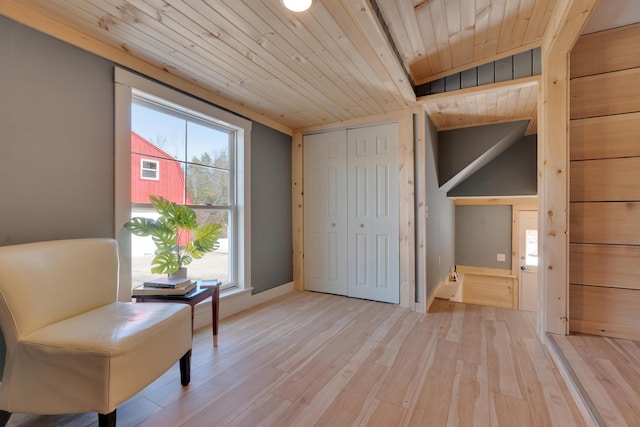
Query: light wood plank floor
[
  {"x": 310, "y": 359},
  {"x": 608, "y": 369}
]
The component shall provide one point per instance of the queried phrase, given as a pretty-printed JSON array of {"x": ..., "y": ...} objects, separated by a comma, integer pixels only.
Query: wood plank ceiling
[{"x": 332, "y": 63}]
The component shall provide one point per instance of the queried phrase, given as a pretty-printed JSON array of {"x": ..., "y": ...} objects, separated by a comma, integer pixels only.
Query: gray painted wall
[
  {"x": 512, "y": 173},
  {"x": 271, "y": 233},
  {"x": 465, "y": 151},
  {"x": 440, "y": 220},
  {"x": 57, "y": 153},
  {"x": 482, "y": 232},
  {"x": 56, "y": 139}
]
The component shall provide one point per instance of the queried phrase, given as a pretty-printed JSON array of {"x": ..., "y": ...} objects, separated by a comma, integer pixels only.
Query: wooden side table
[{"x": 200, "y": 293}]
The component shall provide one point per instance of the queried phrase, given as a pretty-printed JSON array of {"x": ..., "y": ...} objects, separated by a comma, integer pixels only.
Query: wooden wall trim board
[
  {"x": 612, "y": 223},
  {"x": 370, "y": 25},
  {"x": 622, "y": 47},
  {"x": 516, "y": 83},
  {"x": 563, "y": 29},
  {"x": 605, "y": 180},
  {"x": 424, "y": 301},
  {"x": 501, "y": 102},
  {"x": 483, "y": 271},
  {"x": 605, "y": 311},
  {"x": 526, "y": 203},
  {"x": 564, "y": 25},
  {"x": 614, "y": 266},
  {"x": 494, "y": 287},
  {"x": 297, "y": 214},
  {"x": 621, "y": 133},
  {"x": 605, "y": 94},
  {"x": 406, "y": 212},
  {"x": 395, "y": 116}
]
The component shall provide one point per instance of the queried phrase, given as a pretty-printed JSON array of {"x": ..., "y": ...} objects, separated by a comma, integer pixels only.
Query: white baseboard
[
  {"x": 235, "y": 302},
  {"x": 432, "y": 297}
]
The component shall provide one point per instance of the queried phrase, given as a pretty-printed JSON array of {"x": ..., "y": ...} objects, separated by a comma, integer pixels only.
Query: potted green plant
[{"x": 177, "y": 236}]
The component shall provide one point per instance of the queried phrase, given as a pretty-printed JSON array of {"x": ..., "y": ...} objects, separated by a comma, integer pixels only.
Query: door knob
[
  {"x": 361, "y": 225},
  {"x": 523, "y": 268}
]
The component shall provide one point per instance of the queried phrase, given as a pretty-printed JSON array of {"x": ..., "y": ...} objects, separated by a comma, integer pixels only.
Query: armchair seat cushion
[{"x": 94, "y": 353}]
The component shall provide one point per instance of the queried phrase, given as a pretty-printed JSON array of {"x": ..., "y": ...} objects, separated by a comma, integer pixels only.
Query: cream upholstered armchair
[{"x": 70, "y": 346}]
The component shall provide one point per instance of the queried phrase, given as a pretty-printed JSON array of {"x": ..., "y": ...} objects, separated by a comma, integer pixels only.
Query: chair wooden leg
[
  {"x": 107, "y": 420},
  {"x": 4, "y": 417},
  {"x": 185, "y": 369}
]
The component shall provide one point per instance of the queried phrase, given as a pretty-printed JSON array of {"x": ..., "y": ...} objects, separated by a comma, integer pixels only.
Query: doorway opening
[{"x": 528, "y": 260}]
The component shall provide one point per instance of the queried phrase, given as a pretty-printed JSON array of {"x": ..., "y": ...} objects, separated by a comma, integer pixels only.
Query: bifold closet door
[
  {"x": 373, "y": 228},
  {"x": 351, "y": 230},
  {"x": 325, "y": 212}
]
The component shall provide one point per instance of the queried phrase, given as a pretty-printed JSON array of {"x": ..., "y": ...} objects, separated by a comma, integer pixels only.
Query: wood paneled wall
[
  {"x": 488, "y": 286},
  {"x": 604, "y": 251}
]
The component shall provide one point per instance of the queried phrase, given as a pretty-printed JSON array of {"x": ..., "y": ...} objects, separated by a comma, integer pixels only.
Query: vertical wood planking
[
  {"x": 553, "y": 197},
  {"x": 565, "y": 24},
  {"x": 423, "y": 300},
  {"x": 297, "y": 207},
  {"x": 406, "y": 213}
]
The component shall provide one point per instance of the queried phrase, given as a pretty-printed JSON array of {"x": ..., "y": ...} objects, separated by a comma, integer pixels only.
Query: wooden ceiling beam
[
  {"x": 521, "y": 82},
  {"x": 450, "y": 110},
  {"x": 363, "y": 13}
]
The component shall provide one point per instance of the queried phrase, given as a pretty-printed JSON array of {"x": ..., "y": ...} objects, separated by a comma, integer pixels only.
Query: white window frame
[
  {"x": 125, "y": 83},
  {"x": 156, "y": 170}
]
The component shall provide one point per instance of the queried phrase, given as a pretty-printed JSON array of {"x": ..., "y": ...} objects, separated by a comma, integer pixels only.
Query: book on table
[
  {"x": 166, "y": 282},
  {"x": 208, "y": 283},
  {"x": 152, "y": 290}
]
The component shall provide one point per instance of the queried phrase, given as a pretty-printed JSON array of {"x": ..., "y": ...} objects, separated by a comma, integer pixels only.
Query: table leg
[
  {"x": 215, "y": 307},
  {"x": 193, "y": 315}
]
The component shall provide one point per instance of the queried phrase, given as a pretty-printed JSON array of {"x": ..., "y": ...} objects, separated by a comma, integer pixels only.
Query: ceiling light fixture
[{"x": 297, "y": 5}]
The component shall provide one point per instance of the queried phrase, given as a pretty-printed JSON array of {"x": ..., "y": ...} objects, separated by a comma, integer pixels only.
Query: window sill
[
  {"x": 231, "y": 292},
  {"x": 236, "y": 300}
]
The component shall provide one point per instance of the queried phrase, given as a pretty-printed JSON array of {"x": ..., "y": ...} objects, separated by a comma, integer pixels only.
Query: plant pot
[{"x": 179, "y": 274}]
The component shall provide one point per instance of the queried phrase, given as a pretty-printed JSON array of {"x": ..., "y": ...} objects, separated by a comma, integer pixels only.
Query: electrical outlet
[{"x": 501, "y": 257}]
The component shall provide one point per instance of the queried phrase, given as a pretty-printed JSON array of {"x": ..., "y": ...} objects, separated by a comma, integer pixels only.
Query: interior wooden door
[
  {"x": 373, "y": 229},
  {"x": 325, "y": 212},
  {"x": 528, "y": 238}
]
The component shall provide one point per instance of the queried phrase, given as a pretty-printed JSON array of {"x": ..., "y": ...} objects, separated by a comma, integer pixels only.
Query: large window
[{"x": 190, "y": 153}]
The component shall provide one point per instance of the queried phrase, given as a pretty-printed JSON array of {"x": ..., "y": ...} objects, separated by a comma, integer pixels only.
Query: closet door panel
[
  {"x": 373, "y": 231},
  {"x": 361, "y": 261},
  {"x": 325, "y": 212}
]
